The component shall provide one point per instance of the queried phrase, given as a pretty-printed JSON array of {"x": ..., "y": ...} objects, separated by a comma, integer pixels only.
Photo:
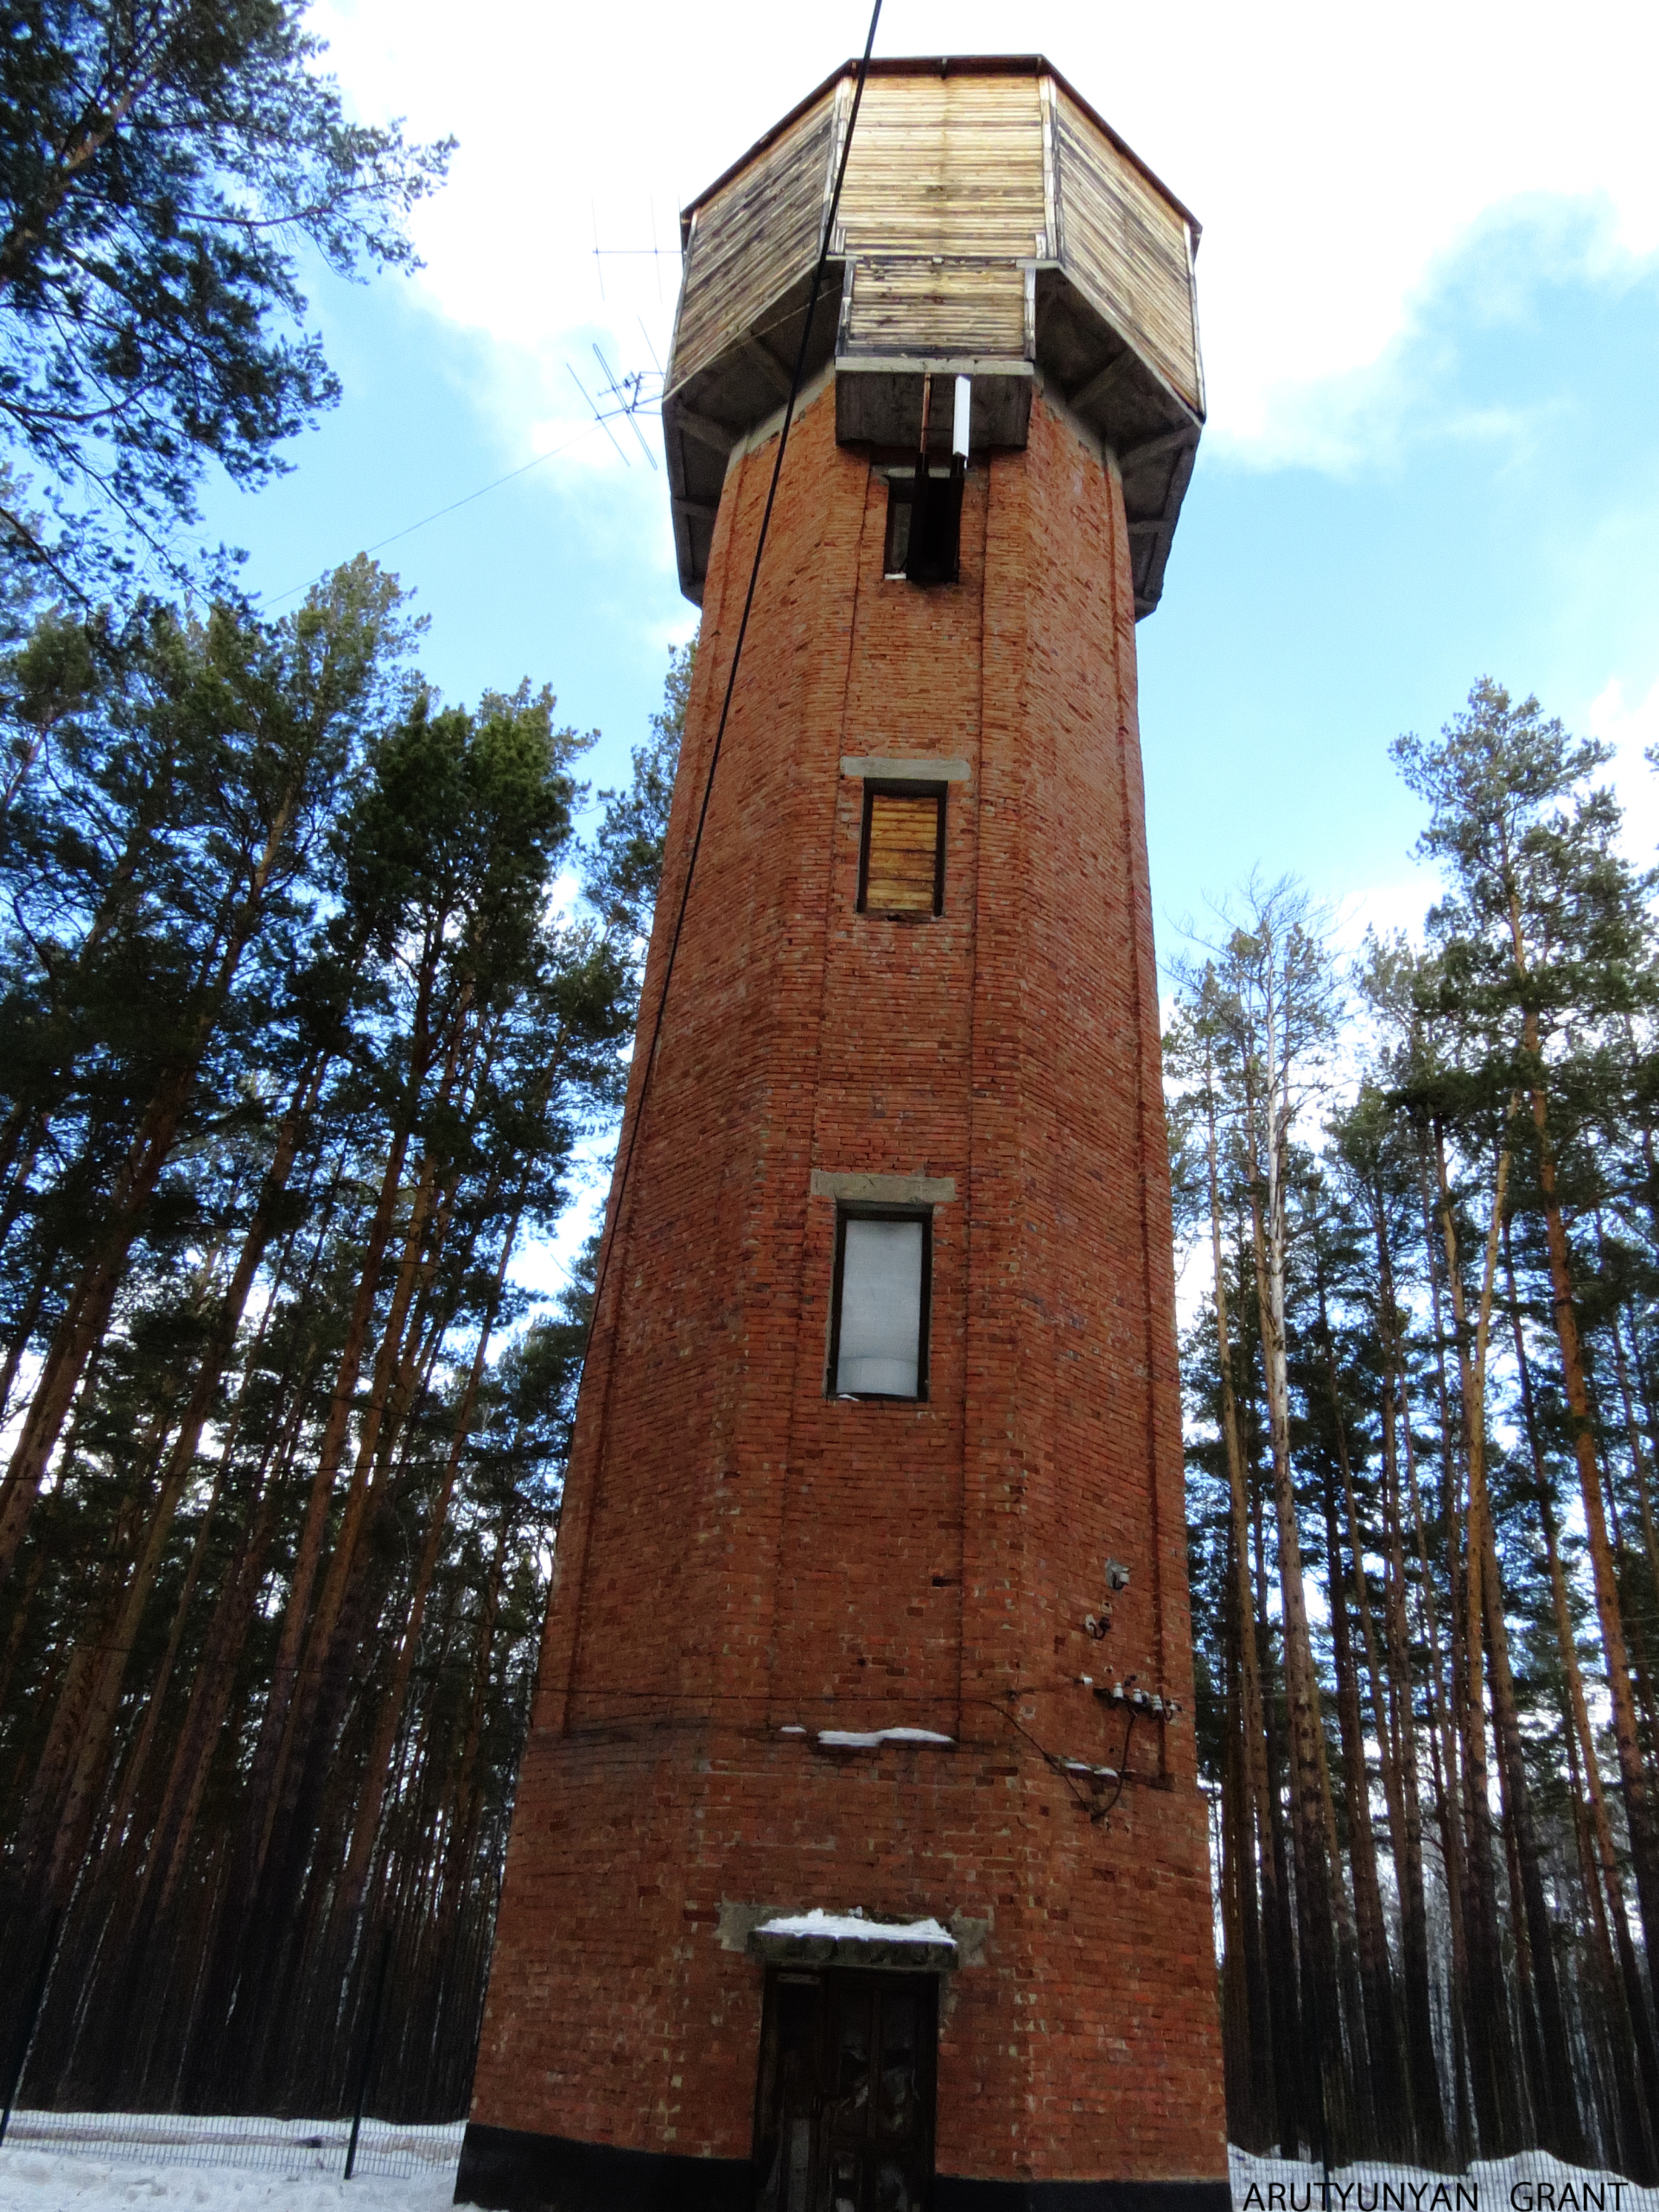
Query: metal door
[{"x": 845, "y": 2121}]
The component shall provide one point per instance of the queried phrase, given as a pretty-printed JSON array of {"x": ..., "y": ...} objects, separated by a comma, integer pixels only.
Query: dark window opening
[
  {"x": 925, "y": 525},
  {"x": 901, "y": 859},
  {"x": 878, "y": 1317},
  {"x": 925, "y": 506}
]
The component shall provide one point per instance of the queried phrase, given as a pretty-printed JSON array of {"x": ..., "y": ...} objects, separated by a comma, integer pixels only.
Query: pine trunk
[{"x": 82, "y": 1326}]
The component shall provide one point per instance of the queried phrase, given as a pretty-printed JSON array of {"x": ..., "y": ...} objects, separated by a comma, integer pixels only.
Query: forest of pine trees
[
  {"x": 312, "y": 992},
  {"x": 303, "y": 1020},
  {"x": 1419, "y": 1204},
  {"x": 310, "y": 995}
]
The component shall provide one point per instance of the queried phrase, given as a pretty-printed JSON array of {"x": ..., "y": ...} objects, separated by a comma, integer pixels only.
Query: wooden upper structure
[{"x": 991, "y": 224}]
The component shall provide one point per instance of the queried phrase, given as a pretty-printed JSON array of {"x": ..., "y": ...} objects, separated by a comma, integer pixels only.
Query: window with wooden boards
[{"x": 901, "y": 865}]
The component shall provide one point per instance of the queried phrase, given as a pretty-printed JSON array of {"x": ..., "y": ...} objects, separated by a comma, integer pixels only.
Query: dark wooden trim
[{"x": 844, "y": 1213}]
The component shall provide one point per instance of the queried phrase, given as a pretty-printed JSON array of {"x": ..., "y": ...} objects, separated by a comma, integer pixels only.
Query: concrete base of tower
[{"x": 507, "y": 2169}]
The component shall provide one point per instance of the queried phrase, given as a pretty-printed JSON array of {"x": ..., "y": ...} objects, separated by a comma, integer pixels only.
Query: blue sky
[
  {"x": 1501, "y": 517},
  {"x": 1429, "y": 288}
]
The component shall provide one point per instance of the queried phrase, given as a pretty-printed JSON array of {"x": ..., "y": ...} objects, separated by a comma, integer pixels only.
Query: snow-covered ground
[
  {"x": 92, "y": 2162},
  {"x": 152, "y": 2166},
  {"x": 74, "y": 2181}
]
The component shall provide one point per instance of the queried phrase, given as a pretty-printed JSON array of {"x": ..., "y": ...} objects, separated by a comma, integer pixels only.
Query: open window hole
[
  {"x": 925, "y": 502},
  {"x": 924, "y": 534}
]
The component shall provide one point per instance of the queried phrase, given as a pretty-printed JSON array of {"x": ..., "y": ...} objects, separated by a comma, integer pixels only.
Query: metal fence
[
  {"x": 1531, "y": 2182},
  {"x": 350, "y": 2143},
  {"x": 291, "y": 2148}
]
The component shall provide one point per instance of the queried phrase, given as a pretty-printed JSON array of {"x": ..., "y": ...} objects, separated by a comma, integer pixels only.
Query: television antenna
[
  {"x": 653, "y": 252},
  {"x": 626, "y": 397}
]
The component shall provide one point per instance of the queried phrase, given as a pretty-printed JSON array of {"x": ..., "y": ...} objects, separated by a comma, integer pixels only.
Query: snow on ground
[
  {"x": 74, "y": 2181},
  {"x": 92, "y": 2162},
  {"x": 40, "y": 2174}
]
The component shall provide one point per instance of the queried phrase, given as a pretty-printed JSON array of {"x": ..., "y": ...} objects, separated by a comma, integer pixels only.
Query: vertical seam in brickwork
[
  {"x": 852, "y": 648},
  {"x": 803, "y": 1350},
  {"x": 1132, "y": 845},
  {"x": 619, "y": 1234},
  {"x": 977, "y": 788}
]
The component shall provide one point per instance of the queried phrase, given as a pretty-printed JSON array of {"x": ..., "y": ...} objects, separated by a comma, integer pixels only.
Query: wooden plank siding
[
  {"x": 946, "y": 165},
  {"x": 753, "y": 240},
  {"x": 954, "y": 183},
  {"x": 1126, "y": 245},
  {"x": 902, "y": 839},
  {"x": 943, "y": 200},
  {"x": 956, "y": 309}
]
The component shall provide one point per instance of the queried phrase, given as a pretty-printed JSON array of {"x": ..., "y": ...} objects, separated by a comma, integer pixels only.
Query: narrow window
[
  {"x": 924, "y": 506},
  {"x": 901, "y": 865},
  {"x": 901, "y": 489},
  {"x": 878, "y": 1329},
  {"x": 924, "y": 528}
]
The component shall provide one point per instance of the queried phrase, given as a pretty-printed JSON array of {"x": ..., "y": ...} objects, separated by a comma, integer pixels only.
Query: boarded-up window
[
  {"x": 902, "y": 869},
  {"x": 878, "y": 1345}
]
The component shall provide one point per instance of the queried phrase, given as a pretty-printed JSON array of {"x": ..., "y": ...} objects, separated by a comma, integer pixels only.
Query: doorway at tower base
[{"x": 845, "y": 2111}]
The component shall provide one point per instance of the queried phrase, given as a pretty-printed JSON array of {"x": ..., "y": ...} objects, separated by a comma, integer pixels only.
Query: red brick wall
[{"x": 738, "y": 1553}]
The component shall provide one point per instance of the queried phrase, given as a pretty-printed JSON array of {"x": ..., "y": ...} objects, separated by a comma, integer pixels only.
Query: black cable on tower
[{"x": 731, "y": 679}]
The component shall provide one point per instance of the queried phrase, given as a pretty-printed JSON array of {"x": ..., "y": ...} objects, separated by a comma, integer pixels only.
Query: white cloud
[
  {"x": 1335, "y": 155},
  {"x": 1631, "y": 728},
  {"x": 1386, "y": 908}
]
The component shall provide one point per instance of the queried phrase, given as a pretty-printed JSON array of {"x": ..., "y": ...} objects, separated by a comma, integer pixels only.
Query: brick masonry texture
[{"x": 740, "y": 1553}]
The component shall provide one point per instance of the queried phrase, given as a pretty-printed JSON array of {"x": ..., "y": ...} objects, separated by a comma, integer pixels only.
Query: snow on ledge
[
  {"x": 862, "y": 1739},
  {"x": 853, "y": 1927}
]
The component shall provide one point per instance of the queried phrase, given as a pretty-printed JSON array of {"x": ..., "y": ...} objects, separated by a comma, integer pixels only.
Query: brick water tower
[{"x": 859, "y": 1862}]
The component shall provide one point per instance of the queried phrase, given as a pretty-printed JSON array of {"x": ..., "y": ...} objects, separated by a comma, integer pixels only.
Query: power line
[
  {"x": 915, "y": 1700},
  {"x": 408, "y": 531},
  {"x": 731, "y": 680}
]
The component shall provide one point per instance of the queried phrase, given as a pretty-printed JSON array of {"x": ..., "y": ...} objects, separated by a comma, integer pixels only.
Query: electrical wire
[
  {"x": 409, "y": 530},
  {"x": 1105, "y": 1812},
  {"x": 704, "y": 1719},
  {"x": 795, "y": 383}
]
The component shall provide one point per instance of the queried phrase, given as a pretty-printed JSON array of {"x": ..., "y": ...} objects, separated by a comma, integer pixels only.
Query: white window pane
[{"x": 880, "y": 1308}]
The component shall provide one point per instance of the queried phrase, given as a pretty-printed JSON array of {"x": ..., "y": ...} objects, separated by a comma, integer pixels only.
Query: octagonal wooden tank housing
[{"x": 992, "y": 224}]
